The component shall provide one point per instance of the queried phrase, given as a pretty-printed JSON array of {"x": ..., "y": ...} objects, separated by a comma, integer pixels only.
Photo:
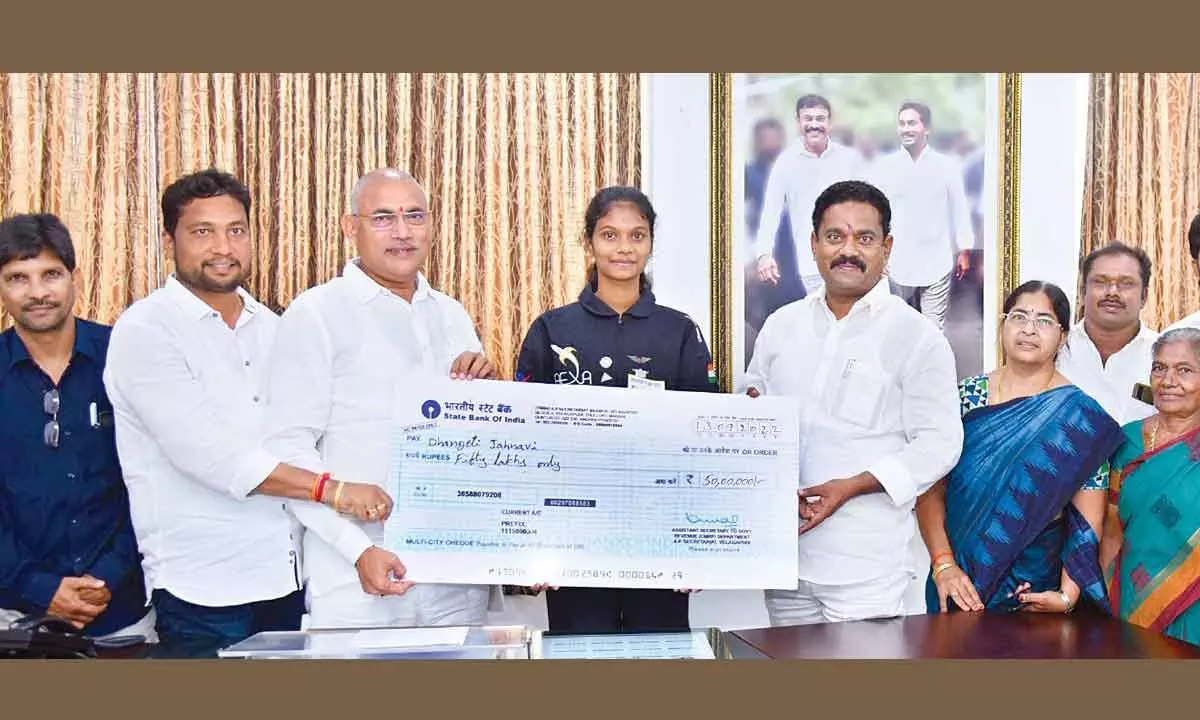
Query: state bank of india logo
[{"x": 431, "y": 409}]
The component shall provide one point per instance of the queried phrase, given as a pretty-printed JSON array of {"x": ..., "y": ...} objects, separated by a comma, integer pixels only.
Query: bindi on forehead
[
  {"x": 395, "y": 208},
  {"x": 844, "y": 228},
  {"x": 391, "y": 192},
  {"x": 849, "y": 226}
]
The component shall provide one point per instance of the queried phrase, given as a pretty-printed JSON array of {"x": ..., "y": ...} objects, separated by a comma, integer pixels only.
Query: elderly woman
[
  {"x": 1016, "y": 524},
  {"x": 1151, "y": 548}
]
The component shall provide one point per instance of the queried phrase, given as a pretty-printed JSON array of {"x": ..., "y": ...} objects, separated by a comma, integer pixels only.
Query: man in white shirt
[
  {"x": 186, "y": 374},
  {"x": 800, "y": 173},
  {"x": 1192, "y": 320},
  {"x": 932, "y": 216},
  {"x": 340, "y": 348},
  {"x": 880, "y": 422},
  {"x": 1108, "y": 355}
]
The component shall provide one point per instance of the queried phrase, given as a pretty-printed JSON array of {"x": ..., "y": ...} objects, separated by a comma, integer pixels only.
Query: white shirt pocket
[{"x": 862, "y": 393}]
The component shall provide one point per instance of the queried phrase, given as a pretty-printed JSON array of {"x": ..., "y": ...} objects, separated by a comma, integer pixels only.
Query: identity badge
[{"x": 637, "y": 382}]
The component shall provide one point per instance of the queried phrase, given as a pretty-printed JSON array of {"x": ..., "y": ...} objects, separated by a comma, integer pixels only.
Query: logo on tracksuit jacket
[{"x": 573, "y": 375}]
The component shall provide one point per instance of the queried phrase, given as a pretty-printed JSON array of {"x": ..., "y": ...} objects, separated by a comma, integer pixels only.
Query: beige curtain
[
  {"x": 509, "y": 162},
  {"x": 80, "y": 146},
  {"x": 1143, "y": 179}
]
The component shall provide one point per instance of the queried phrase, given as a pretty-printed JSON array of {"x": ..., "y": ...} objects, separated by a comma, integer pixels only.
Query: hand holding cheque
[
  {"x": 380, "y": 571},
  {"x": 517, "y": 483},
  {"x": 820, "y": 501}
]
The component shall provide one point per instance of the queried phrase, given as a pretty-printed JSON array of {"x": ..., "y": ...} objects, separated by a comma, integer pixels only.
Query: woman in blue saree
[{"x": 1016, "y": 524}]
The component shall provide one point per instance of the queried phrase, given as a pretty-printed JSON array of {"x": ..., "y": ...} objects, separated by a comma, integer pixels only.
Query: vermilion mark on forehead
[{"x": 848, "y": 229}]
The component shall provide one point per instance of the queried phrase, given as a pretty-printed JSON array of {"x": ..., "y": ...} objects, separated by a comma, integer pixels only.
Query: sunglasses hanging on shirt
[{"x": 51, "y": 403}]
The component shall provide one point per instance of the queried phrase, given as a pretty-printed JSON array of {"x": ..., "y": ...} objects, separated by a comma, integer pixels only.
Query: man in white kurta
[
  {"x": 339, "y": 349},
  {"x": 810, "y": 164},
  {"x": 187, "y": 372},
  {"x": 932, "y": 217},
  {"x": 876, "y": 386}
]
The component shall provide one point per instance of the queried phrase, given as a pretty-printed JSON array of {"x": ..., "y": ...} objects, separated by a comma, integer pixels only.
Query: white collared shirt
[
  {"x": 877, "y": 392},
  {"x": 339, "y": 349},
  {"x": 931, "y": 217},
  {"x": 1110, "y": 384},
  {"x": 1191, "y": 321},
  {"x": 795, "y": 181},
  {"x": 189, "y": 395}
]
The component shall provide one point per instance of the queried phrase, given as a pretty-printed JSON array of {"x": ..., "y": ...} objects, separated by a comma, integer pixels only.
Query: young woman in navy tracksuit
[{"x": 613, "y": 333}]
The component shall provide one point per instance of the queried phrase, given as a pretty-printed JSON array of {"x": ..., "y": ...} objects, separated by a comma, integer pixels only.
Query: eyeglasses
[
  {"x": 384, "y": 221},
  {"x": 1101, "y": 283},
  {"x": 1021, "y": 319},
  {"x": 51, "y": 403}
]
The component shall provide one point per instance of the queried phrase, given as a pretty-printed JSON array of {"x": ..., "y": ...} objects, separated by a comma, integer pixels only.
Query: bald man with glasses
[{"x": 339, "y": 350}]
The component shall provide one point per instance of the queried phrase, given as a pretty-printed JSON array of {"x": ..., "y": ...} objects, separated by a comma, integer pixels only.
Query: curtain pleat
[
  {"x": 1142, "y": 180},
  {"x": 509, "y": 162},
  {"x": 81, "y": 146}
]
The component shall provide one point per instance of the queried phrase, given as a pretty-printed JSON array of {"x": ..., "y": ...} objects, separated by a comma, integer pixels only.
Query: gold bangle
[
  {"x": 337, "y": 497},
  {"x": 941, "y": 555},
  {"x": 941, "y": 569}
]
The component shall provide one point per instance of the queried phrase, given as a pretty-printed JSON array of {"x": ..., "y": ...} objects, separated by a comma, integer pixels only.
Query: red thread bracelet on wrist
[{"x": 320, "y": 488}]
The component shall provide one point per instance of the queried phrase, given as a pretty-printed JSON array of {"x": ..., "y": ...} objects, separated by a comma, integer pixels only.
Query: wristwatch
[{"x": 1067, "y": 600}]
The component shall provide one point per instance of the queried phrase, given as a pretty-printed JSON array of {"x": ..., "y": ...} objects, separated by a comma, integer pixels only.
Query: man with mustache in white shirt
[
  {"x": 879, "y": 418},
  {"x": 1108, "y": 355},
  {"x": 800, "y": 173},
  {"x": 340, "y": 348}
]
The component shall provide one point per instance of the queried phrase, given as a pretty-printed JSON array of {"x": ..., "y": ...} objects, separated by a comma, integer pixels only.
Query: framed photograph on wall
[{"x": 944, "y": 148}]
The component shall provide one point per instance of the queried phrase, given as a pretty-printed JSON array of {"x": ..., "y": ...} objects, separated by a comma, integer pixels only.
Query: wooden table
[
  {"x": 954, "y": 636},
  {"x": 961, "y": 635}
]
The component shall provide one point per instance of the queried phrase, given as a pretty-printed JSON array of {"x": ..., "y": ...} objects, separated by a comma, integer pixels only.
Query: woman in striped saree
[
  {"x": 1016, "y": 524},
  {"x": 1151, "y": 547}
]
